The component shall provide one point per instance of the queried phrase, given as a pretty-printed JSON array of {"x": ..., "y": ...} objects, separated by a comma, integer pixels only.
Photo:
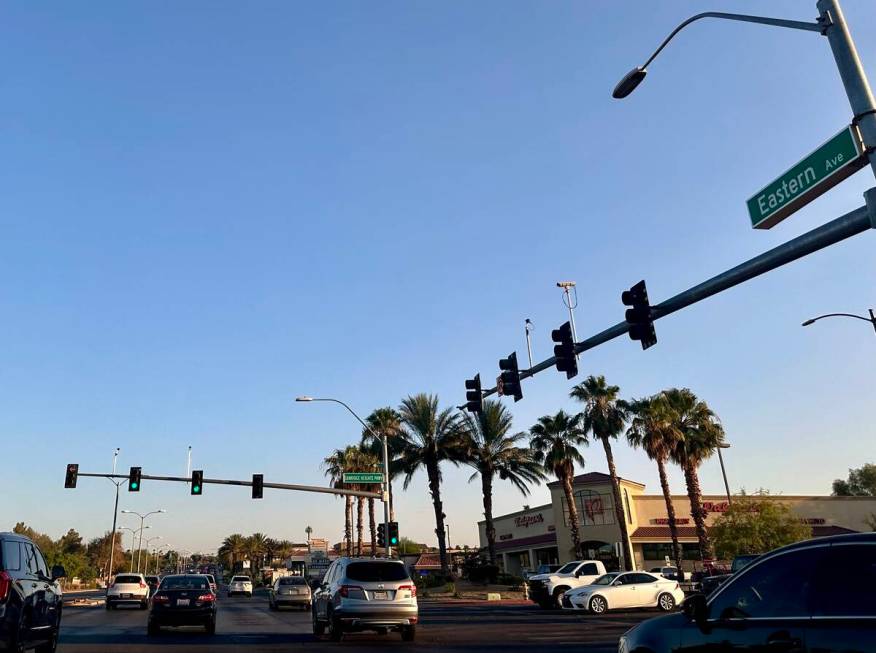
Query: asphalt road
[{"x": 246, "y": 625}]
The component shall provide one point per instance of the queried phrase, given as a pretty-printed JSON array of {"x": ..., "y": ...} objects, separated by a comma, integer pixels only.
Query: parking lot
[{"x": 246, "y": 624}]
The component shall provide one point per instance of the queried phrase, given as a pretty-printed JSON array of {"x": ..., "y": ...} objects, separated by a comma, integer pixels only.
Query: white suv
[
  {"x": 128, "y": 588},
  {"x": 240, "y": 585}
]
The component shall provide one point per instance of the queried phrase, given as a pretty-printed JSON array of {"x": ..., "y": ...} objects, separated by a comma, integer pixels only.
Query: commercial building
[{"x": 540, "y": 534}]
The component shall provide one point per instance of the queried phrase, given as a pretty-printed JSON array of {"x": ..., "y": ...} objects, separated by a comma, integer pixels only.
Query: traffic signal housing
[
  {"x": 197, "y": 487},
  {"x": 381, "y": 535},
  {"x": 474, "y": 395},
  {"x": 258, "y": 486},
  {"x": 72, "y": 475},
  {"x": 134, "y": 479},
  {"x": 393, "y": 533},
  {"x": 564, "y": 350},
  {"x": 509, "y": 378},
  {"x": 638, "y": 316}
]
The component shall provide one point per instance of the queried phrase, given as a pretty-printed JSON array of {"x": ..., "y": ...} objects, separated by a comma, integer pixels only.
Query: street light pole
[
  {"x": 142, "y": 519},
  {"x": 133, "y": 539},
  {"x": 724, "y": 445},
  {"x": 382, "y": 438},
  {"x": 109, "y": 571},
  {"x": 871, "y": 319}
]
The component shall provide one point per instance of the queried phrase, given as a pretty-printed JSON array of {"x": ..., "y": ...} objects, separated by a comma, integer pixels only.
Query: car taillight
[
  {"x": 143, "y": 585},
  {"x": 411, "y": 588},
  {"x": 207, "y": 597},
  {"x": 346, "y": 589},
  {"x": 161, "y": 598},
  {"x": 5, "y": 584}
]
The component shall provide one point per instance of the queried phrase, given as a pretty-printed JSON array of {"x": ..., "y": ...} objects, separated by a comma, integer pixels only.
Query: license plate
[
  {"x": 380, "y": 596},
  {"x": 125, "y": 596},
  {"x": 182, "y": 602}
]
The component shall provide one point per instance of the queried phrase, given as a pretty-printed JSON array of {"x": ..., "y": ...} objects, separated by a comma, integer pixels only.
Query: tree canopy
[
  {"x": 860, "y": 483},
  {"x": 756, "y": 524}
]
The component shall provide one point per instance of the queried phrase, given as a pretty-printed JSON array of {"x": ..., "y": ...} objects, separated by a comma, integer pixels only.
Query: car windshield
[
  {"x": 184, "y": 583},
  {"x": 372, "y": 572},
  {"x": 240, "y": 579},
  {"x": 605, "y": 579},
  {"x": 567, "y": 568},
  {"x": 293, "y": 580},
  {"x": 129, "y": 579}
]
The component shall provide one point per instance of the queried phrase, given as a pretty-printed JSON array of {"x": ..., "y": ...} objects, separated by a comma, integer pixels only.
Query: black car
[
  {"x": 153, "y": 582},
  {"x": 30, "y": 598},
  {"x": 183, "y": 600},
  {"x": 818, "y": 596}
]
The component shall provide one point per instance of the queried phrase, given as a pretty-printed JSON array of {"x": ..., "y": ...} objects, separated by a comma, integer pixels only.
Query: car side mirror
[
  {"x": 696, "y": 608},
  {"x": 58, "y": 571},
  {"x": 617, "y": 583}
]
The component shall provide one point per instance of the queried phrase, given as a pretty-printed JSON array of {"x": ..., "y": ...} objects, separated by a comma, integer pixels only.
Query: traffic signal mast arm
[
  {"x": 222, "y": 481},
  {"x": 846, "y": 226}
]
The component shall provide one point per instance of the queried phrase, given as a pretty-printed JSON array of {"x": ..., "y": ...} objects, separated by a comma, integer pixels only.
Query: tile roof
[
  {"x": 546, "y": 538},
  {"x": 428, "y": 561},
  {"x": 593, "y": 478}
]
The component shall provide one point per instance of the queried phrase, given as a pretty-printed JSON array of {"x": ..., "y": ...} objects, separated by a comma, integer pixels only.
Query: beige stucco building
[{"x": 540, "y": 534}]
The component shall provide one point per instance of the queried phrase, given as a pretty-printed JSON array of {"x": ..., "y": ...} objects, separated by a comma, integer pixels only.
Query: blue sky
[{"x": 208, "y": 208}]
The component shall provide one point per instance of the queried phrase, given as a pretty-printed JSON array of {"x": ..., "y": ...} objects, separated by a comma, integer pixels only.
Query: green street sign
[
  {"x": 363, "y": 477},
  {"x": 837, "y": 159}
]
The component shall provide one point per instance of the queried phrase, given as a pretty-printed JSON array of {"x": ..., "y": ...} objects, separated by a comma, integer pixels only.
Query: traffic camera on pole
[
  {"x": 134, "y": 479},
  {"x": 258, "y": 486},
  {"x": 509, "y": 379},
  {"x": 638, "y": 316},
  {"x": 72, "y": 475},
  {"x": 197, "y": 487},
  {"x": 564, "y": 350},
  {"x": 381, "y": 535},
  {"x": 474, "y": 395}
]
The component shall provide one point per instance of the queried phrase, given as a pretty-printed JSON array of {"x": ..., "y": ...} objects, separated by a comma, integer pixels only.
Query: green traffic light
[
  {"x": 394, "y": 540},
  {"x": 196, "y": 489},
  {"x": 133, "y": 486}
]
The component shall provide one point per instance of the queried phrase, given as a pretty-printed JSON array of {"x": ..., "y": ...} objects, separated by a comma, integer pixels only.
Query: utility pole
[
  {"x": 109, "y": 571},
  {"x": 528, "y": 326}
]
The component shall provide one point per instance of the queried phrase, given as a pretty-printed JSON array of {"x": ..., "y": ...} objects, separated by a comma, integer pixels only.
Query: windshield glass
[
  {"x": 129, "y": 579},
  {"x": 605, "y": 579},
  {"x": 567, "y": 568},
  {"x": 240, "y": 579},
  {"x": 184, "y": 583},
  {"x": 293, "y": 580},
  {"x": 371, "y": 572}
]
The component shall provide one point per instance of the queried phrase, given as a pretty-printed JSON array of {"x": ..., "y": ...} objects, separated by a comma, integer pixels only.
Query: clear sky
[{"x": 210, "y": 207}]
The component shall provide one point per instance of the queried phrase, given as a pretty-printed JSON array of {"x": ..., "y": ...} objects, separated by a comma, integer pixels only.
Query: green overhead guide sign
[
  {"x": 363, "y": 477},
  {"x": 837, "y": 159}
]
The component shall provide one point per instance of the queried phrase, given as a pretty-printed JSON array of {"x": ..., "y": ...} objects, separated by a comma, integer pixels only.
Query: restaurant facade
[{"x": 538, "y": 535}]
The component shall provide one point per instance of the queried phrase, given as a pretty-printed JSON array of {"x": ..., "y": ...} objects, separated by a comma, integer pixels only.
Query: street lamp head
[
  {"x": 125, "y": 512},
  {"x": 807, "y": 322},
  {"x": 629, "y": 83},
  {"x": 162, "y": 510},
  {"x": 304, "y": 398},
  {"x": 724, "y": 445}
]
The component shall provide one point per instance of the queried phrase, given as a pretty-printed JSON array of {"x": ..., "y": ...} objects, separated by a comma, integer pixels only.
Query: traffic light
[
  {"x": 381, "y": 535},
  {"x": 197, "y": 486},
  {"x": 134, "y": 479},
  {"x": 639, "y": 315},
  {"x": 564, "y": 350},
  {"x": 509, "y": 379},
  {"x": 72, "y": 475},
  {"x": 393, "y": 533},
  {"x": 474, "y": 396},
  {"x": 258, "y": 486}
]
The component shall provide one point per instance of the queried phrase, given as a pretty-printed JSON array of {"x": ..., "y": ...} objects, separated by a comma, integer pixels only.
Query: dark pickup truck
[{"x": 710, "y": 583}]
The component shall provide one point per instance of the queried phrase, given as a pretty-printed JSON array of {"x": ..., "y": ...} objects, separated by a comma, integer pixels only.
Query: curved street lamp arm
[
  {"x": 857, "y": 317},
  {"x": 351, "y": 411},
  {"x": 762, "y": 20}
]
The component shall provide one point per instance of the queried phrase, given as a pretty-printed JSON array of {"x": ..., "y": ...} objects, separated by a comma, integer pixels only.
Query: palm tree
[
  {"x": 256, "y": 548},
  {"x": 335, "y": 465},
  {"x": 233, "y": 549},
  {"x": 698, "y": 434},
  {"x": 650, "y": 431},
  {"x": 431, "y": 437},
  {"x": 386, "y": 421},
  {"x": 491, "y": 449},
  {"x": 368, "y": 462},
  {"x": 284, "y": 549},
  {"x": 554, "y": 440},
  {"x": 604, "y": 417}
]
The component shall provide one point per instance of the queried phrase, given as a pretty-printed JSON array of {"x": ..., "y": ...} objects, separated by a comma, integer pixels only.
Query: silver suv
[{"x": 365, "y": 594}]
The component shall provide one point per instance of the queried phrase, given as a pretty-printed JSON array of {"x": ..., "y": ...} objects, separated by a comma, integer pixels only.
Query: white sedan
[{"x": 632, "y": 589}]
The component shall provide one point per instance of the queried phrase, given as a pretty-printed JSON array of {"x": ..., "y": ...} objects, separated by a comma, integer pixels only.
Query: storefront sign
[
  {"x": 664, "y": 521},
  {"x": 593, "y": 507},
  {"x": 506, "y": 536},
  {"x": 525, "y": 520},
  {"x": 715, "y": 506},
  {"x": 814, "y": 521}
]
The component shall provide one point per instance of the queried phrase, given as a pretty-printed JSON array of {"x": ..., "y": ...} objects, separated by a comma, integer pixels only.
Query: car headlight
[{"x": 622, "y": 645}]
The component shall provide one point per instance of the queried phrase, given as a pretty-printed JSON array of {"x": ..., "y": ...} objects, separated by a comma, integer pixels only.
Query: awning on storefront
[
  {"x": 689, "y": 533},
  {"x": 533, "y": 542}
]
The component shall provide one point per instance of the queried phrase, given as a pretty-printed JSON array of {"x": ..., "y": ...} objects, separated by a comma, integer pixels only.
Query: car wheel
[
  {"x": 50, "y": 646},
  {"x": 335, "y": 629},
  {"x": 272, "y": 606},
  {"x": 408, "y": 633},
  {"x": 211, "y": 627},
  {"x": 666, "y": 602},
  {"x": 152, "y": 628},
  {"x": 559, "y": 593},
  {"x": 108, "y": 606},
  {"x": 144, "y": 605},
  {"x": 598, "y": 605},
  {"x": 318, "y": 626}
]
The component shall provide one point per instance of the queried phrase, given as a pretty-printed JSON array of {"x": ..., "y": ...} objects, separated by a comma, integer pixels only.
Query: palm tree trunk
[
  {"x": 435, "y": 491},
  {"x": 573, "y": 515},
  {"x": 372, "y": 523},
  {"x": 360, "y": 507},
  {"x": 348, "y": 524},
  {"x": 487, "y": 489},
  {"x": 692, "y": 479},
  {"x": 619, "y": 511},
  {"x": 670, "y": 514}
]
